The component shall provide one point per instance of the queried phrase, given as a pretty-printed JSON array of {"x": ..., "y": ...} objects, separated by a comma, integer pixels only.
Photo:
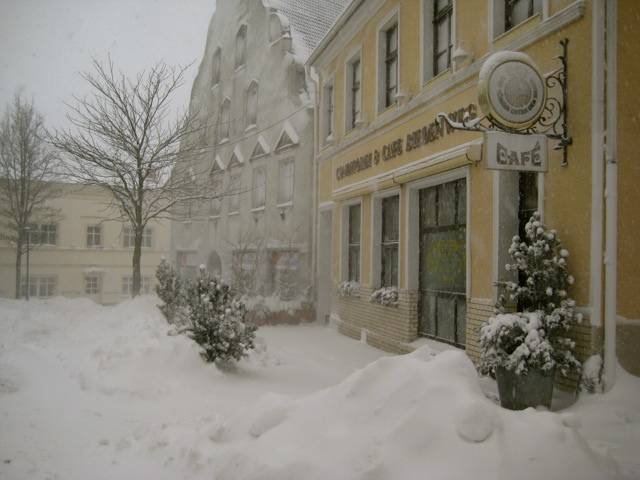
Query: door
[
  {"x": 443, "y": 262},
  {"x": 325, "y": 262}
]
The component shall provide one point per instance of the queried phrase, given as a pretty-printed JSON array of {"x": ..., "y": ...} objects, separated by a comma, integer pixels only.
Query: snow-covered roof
[{"x": 310, "y": 20}]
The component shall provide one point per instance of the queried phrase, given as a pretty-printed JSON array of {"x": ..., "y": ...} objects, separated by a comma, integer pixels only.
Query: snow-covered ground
[{"x": 104, "y": 393}]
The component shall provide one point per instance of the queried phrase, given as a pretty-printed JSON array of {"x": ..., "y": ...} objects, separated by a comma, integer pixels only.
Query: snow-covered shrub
[
  {"x": 170, "y": 290},
  {"x": 591, "y": 380},
  {"x": 386, "y": 296},
  {"x": 217, "y": 320},
  {"x": 537, "y": 337},
  {"x": 348, "y": 289}
]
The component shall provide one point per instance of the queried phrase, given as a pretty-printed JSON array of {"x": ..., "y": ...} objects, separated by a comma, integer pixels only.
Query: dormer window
[
  {"x": 215, "y": 67},
  {"x": 241, "y": 46}
]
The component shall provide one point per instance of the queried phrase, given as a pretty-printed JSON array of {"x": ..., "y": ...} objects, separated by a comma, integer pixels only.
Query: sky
[{"x": 45, "y": 44}]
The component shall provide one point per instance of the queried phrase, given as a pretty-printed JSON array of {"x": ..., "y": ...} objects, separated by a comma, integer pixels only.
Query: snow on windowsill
[
  {"x": 262, "y": 208},
  {"x": 284, "y": 205}
]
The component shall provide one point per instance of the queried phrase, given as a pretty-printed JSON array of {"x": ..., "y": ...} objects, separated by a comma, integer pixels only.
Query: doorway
[{"x": 443, "y": 262}]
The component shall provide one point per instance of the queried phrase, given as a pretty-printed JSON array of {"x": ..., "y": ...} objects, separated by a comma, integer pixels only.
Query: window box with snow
[
  {"x": 349, "y": 289},
  {"x": 526, "y": 348}
]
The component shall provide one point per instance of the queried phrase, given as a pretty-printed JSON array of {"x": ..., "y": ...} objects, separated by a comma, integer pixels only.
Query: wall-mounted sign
[
  {"x": 415, "y": 139},
  {"x": 509, "y": 151},
  {"x": 511, "y": 90}
]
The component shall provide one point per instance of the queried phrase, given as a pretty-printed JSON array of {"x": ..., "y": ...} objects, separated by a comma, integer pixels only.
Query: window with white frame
[
  {"x": 354, "y": 94},
  {"x": 215, "y": 67},
  {"x": 327, "y": 110},
  {"x": 92, "y": 284},
  {"x": 128, "y": 237},
  {"x": 353, "y": 243},
  {"x": 127, "y": 285},
  {"x": 225, "y": 119},
  {"x": 259, "y": 186},
  {"x": 94, "y": 236},
  {"x": 43, "y": 234},
  {"x": 235, "y": 185},
  {"x": 510, "y": 13},
  {"x": 389, "y": 240},
  {"x": 40, "y": 286},
  {"x": 241, "y": 46},
  {"x": 285, "y": 181},
  {"x": 252, "y": 104},
  {"x": 388, "y": 63},
  {"x": 442, "y": 38}
]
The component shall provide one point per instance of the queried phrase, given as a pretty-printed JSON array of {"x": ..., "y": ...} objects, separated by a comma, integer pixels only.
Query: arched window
[
  {"x": 215, "y": 67},
  {"x": 252, "y": 104},
  {"x": 225, "y": 119},
  {"x": 276, "y": 28},
  {"x": 241, "y": 46}
]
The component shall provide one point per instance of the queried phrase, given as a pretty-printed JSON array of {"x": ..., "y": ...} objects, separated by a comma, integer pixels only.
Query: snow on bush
[
  {"x": 386, "y": 296},
  {"x": 170, "y": 290},
  {"x": 348, "y": 289},
  {"x": 591, "y": 380},
  {"x": 536, "y": 338},
  {"x": 217, "y": 320}
]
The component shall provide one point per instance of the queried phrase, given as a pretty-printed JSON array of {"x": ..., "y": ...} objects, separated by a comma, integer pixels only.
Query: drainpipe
[
  {"x": 314, "y": 188},
  {"x": 611, "y": 198}
]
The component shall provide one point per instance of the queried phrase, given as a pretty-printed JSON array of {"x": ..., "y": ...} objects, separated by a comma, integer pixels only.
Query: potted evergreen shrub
[{"x": 525, "y": 349}]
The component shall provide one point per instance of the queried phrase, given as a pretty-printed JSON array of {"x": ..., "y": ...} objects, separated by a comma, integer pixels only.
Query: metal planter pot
[{"x": 518, "y": 392}]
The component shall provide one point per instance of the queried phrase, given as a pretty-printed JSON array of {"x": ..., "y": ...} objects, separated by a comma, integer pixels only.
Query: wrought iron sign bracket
[{"x": 553, "y": 120}]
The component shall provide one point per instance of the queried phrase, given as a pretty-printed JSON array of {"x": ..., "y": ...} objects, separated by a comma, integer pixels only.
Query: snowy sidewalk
[{"x": 104, "y": 393}]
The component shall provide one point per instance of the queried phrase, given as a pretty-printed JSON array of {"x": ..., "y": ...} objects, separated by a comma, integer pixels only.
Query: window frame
[
  {"x": 235, "y": 183},
  {"x": 241, "y": 48},
  {"x": 392, "y": 20},
  {"x": 346, "y": 219},
  {"x": 292, "y": 182},
  {"x": 498, "y": 18},
  {"x": 328, "y": 111},
  {"x": 259, "y": 189},
  {"x": 444, "y": 15},
  {"x": 353, "y": 91},
  {"x": 93, "y": 234},
  {"x": 89, "y": 290},
  {"x": 225, "y": 120},
  {"x": 377, "y": 232},
  {"x": 252, "y": 97},
  {"x": 216, "y": 67}
]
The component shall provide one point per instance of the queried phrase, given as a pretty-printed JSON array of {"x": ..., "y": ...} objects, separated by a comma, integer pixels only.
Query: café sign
[
  {"x": 511, "y": 90},
  {"x": 509, "y": 151}
]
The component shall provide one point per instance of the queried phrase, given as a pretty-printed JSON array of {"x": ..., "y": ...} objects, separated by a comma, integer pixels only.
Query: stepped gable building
[
  {"x": 406, "y": 201},
  {"x": 256, "y": 98}
]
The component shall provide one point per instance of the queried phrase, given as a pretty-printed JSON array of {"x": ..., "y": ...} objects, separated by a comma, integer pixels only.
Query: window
[
  {"x": 128, "y": 238},
  {"x": 94, "y": 236},
  {"x": 216, "y": 190},
  {"x": 353, "y": 246},
  {"x": 442, "y": 43},
  {"x": 127, "y": 285},
  {"x": 92, "y": 284},
  {"x": 40, "y": 286},
  {"x": 252, "y": 104},
  {"x": 390, "y": 60},
  {"x": 389, "y": 241},
  {"x": 259, "y": 186},
  {"x": 215, "y": 67},
  {"x": 327, "y": 99},
  {"x": 354, "y": 97},
  {"x": 234, "y": 192},
  {"x": 276, "y": 29},
  {"x": 45, "y": 234},
  {"x": 225, "y": 119},
  {"x": 517, "y": 11},
  {"x": 510, "y": 13},
  {"x": 241, "y": 46},
  {"x": 286, "y": 177}
]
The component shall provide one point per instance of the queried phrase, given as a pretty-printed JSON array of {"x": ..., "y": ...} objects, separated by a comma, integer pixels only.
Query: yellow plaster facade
[{"x": 565, "y": 192}]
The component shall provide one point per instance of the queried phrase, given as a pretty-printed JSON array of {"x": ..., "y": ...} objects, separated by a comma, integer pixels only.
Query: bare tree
[
  {"x": 126, "y": 140},
  {"x": 27, "y": 170}
]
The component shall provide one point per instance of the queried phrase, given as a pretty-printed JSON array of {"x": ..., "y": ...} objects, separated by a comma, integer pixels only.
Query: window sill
[
  {"x": 240, "y": 68},
  {"x": 437, "y": 78},
  {"x": 251, "y": 128},
  {"x": 388, "y": 109},
  {"x": 231, "y": 214},
  {"x": 259, "y": 209},
  {"x": 223, "y": 141},
  {"x": 214, "y": 217},
  {"x": 285, "y": 204},
  {"x": 215, "y": 87}
]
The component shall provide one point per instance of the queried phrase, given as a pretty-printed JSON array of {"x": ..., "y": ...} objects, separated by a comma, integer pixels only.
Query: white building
[
  {"x": 257, "y": 99},
  {"x": 84, "y": 252}
]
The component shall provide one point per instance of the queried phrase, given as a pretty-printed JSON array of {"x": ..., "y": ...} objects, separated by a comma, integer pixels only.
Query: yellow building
[
  {"x": 406, "y": 201},
  {"x": 83, "y": 251}
]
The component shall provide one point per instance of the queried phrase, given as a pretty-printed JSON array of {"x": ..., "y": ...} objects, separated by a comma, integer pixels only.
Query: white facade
[
  {"x": 84, "y": 252},
  {"x": 257, "y": 150}
]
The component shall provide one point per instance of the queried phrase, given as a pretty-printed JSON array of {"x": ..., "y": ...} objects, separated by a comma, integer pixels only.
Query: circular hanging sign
[{"x": 511, "y": 90}]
